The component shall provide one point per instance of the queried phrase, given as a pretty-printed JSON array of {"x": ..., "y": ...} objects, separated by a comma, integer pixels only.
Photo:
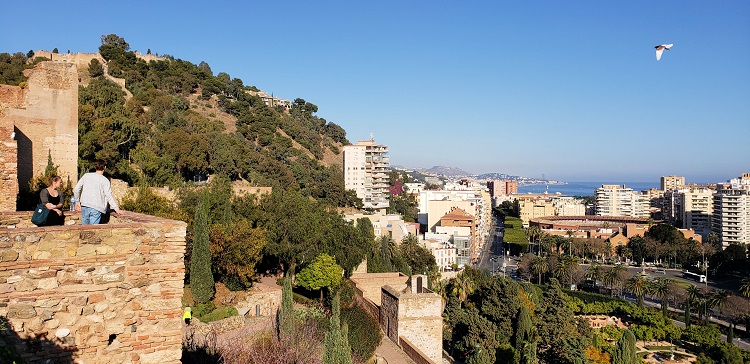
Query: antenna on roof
[{"x": 372, "y": 137}]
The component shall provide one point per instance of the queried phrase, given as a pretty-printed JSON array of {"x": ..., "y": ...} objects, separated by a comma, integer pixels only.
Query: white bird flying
[{"x": 660, "y": 49}]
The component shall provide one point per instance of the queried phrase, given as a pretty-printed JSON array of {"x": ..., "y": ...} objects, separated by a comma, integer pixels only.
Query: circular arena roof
[{"x": 584, "y": 222}]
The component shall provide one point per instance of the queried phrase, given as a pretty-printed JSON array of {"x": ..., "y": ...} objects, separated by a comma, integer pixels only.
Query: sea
[{"x": 583, "y": 188}]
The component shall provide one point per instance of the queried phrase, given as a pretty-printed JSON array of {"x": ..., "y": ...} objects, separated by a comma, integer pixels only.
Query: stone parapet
[{"x": 96, "y": 293}]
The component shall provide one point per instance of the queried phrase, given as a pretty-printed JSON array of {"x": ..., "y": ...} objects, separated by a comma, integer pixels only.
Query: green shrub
[
  {"x": 233, "y": 283},
  {"x": 203, "y": 309},
  {"x": 364, "y": 331},
  {"x": 346, "y": 293},
  {"x": 302, "y": 300},
  {"x": 219, "y": 314}
]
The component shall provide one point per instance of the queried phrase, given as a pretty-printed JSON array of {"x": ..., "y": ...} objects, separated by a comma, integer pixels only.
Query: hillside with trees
[{"x": 167, "y": 134}]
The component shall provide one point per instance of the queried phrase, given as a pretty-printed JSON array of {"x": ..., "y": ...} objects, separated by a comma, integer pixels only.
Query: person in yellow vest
[{"x": 187, "y": 315}]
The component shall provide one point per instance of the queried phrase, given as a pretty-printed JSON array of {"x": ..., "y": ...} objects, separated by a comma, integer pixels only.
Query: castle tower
[{"x": 44, "y": 117}]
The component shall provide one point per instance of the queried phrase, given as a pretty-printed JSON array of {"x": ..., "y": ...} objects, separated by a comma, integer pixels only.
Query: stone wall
[
  {"x": 371, "y": 283},
  {"x": 44, "y": 116},
  {"x": 95, "y": 293},
  {"x": 420, "y": 321},
  {"x": 414, "y": 314},
  {"x": 262, "y": 300},
  {"x": 8, "y": 169},
  {"x": 414, "y": 353}
]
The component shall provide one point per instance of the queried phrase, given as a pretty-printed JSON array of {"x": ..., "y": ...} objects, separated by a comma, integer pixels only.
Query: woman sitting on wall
[{"x": 52, "y": 200}]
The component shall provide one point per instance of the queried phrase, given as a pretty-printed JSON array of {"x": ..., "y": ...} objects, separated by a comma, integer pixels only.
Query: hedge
[{"x": 364, "y": 331}]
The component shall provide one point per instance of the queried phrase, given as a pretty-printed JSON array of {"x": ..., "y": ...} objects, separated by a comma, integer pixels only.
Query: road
[{"x": 491, "y": 257}]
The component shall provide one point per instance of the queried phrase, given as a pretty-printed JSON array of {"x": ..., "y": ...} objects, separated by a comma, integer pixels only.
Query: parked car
[{"x": 660, "y": 270}]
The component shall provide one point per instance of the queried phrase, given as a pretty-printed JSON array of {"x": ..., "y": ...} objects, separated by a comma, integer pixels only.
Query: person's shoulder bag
[{"x": 39, "y": 217}]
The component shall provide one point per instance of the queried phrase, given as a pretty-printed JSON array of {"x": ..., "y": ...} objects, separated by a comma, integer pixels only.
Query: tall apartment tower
[
  {"x": 616, "y": 200},
  {"x": 366, "y": 172},
  {"x": 694, "y": 208},
  {"x": 672, "y": 182},
  {"x": 731, "y": 217},
  {"x": 504, "y": 187}
]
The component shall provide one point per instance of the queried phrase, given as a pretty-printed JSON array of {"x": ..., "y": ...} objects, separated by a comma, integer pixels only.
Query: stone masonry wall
[
  {"x": 371, "y": 283},
  {"x": 8, "y": 169},
  {"x": 44, "y": 116},
  {"x": 420, "y": 321},
  {"x": 95, "y": 293}
]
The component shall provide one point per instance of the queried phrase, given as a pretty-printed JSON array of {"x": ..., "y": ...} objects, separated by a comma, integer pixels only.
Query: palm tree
[
  {"x": 594, "y": 272},
  {"x": 663, "y": 288},
  {"x": 639, "y": 287},
  {"x": 462, "y": 286},
  {"x": 566, "y": 266},
  {"x": 745, "y": 287},
  {"x": 540, "y": 266},
  {"x": 545, "y": 243},
  {"x": 698, "y": 299},
  {"x": 719, "y": 299},
  {"x": 692, "y": 296},
  {"x": 614, "y": 277},
  {"x": 533, "y": 233}
]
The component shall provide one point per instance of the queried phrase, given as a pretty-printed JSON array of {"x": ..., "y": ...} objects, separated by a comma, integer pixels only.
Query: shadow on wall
[
  {"x": 41, "y": 349},
  {"x": 25, "y": 170}
]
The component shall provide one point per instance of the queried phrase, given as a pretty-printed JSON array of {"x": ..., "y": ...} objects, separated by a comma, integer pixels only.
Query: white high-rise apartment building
[
  {"x": 731, "y": 217},
  {"x": 616, "y": 200},
  {"x": 366, "y": 167},
  {"x": 672, "y": 182},
  {"x": 693, "y": 208}
]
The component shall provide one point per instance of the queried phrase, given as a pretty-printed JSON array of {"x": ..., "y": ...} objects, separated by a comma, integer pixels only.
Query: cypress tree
[
  {"x": 201, "y": 278},
  {"x": 525, "y": 337},
  {"x": 730, "y": 334},
  {"x": 286, "y": 313},
  {"x": 625, "y": 352},
  {"x": 337, "y": 350}
]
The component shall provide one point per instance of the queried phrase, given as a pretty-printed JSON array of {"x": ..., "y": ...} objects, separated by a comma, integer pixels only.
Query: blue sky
[{"x": 568, "y": 89}]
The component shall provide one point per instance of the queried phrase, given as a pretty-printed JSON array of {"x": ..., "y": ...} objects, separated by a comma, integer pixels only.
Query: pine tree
[
  {"x": 201, "y": 278},
  {"x": 337, "y": 350},
  {"x": 286, "y": 313},
  {"x": 625, "y": 352}
]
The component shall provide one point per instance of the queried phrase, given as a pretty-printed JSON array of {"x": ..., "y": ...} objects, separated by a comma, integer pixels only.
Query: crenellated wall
[{"x": 95, "y": 293}]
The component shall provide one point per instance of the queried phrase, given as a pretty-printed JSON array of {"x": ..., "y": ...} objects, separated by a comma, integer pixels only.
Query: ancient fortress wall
[
  {"x": 420, "y": 321},
  {"x": 410, "y": 314},
  {"x": 93, "y": 293},
  {"x": 81, "y": 60},
  {"x": 8, "y": 169},
  {"x": 44, "y": 116}
]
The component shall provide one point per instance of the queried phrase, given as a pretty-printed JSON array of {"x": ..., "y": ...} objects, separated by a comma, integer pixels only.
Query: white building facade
[
  {"x": 366, "y": 167},
  {"x": 616, "y": 200},
  {"x": 731, "y": 215}
]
